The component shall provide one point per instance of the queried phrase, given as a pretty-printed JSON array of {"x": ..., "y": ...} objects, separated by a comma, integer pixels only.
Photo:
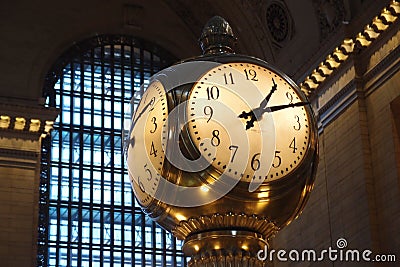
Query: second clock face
[
  {"x": 244, "y": 120},
  {"x": 145, "y": 152}
]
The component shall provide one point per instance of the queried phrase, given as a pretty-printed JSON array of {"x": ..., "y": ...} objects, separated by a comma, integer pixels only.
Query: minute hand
[{"x": 276, "y": 108}]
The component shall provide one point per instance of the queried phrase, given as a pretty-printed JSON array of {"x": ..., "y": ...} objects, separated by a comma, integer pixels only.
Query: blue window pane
[{"x": 94, "y": 219}]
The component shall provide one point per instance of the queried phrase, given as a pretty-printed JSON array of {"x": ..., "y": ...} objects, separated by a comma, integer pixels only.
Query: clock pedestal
[{"x": 225, "y": 248}]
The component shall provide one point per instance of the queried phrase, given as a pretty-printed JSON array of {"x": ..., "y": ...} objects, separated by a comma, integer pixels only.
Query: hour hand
[{"x": 245, "y": 115}]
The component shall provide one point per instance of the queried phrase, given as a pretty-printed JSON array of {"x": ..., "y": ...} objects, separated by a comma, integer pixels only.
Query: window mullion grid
[
  {"x": 72, "y": 218},
  {"x": 122, "y": 156},
  {"x": 143, "y": 241},
  {"x": 91, "y": 179},
  {"x": 143, "y": 219},
  {"x": 59, "y": 169},
  {"x": 102, "y": 240},
  {"x": 164, "y": 247},
  {"x": 133, "y": 232},
  {"x": 70, "y": 165},
  {"x": 112, "y": 145},
  {"x": 174, "y": 254},
  {"x": 153, "y": 243},
  {"x": 81, "y": 157}
]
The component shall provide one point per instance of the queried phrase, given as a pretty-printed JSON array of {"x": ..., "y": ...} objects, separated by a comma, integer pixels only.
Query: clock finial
[{"x": 217, "y": 37}]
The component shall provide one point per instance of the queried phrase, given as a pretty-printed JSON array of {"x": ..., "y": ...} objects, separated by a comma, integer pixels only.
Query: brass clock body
[
  {"x": 287, "y": 178},
  {"x": 246, "y": 139}
]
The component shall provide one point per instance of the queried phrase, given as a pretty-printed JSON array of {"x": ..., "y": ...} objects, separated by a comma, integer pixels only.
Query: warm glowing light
[
  {"x": 181, "y": 217},
  {"x": 263, "y": 195},
  {"x": 217, "y": 247},
  {"x": 378, "y": 25},
  {"x": 388, "y": 16},
  {"x": 4, "y": 121},
  {"x": 395, "y": 5},
  {"x": 341, "y": 53},
  {"x": 48, "y": 126},
  {"x": 348, "y": 45},
  {"x": 362, "y": 40},
  {"x": 34, "y": 126},
  {"x": 245, "y": 247},
  {"x": 196, "y": 247},
  {"x": 204, "y": 188},
  {"x": 19, "y": 123}
]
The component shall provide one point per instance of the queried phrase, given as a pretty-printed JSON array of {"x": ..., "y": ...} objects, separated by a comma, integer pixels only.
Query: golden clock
[{"x": 257, "y": 98}]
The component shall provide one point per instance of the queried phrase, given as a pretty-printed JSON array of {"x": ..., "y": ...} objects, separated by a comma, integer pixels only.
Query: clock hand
[
  {"x": 256, "y": 113},
  {"x": 132, "y": 140},
  {"x": 262, "y": 105},
  {"x": 276, "y": 108},
  {"x": 144, "y": 110},
  {"x": 264, "y": 102}
]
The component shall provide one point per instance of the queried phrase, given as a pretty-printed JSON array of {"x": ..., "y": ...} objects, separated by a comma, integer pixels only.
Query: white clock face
[
  {"x": 261, "y": 105},
  {"x": 145, "y": 156}
]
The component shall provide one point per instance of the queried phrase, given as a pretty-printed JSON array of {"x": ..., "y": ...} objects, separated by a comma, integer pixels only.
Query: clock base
[{"x": 225, "y": 248}]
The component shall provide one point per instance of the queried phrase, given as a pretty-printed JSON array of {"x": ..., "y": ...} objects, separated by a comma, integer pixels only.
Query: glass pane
[{"x": 93, "y": 217}]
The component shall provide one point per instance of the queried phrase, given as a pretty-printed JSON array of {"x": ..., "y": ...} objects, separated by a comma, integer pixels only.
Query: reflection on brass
[
  {"x": 224, "y": 221},
  {"x": 226, "y": 247},
  {"x": 231, "y": 230}
]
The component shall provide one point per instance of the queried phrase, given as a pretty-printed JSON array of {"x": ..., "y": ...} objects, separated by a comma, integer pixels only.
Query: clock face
[
  {"x": 248, "y": 122},
  {"x": 145, "y": 155}
]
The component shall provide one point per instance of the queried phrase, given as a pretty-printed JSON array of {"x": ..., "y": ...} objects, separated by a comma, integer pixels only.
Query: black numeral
[
  {"x": 148, "y": 171},
  {"x": 251, "y": 74},
  {"x": 255, "y": 162},
  {"x": 153, "y": 151},
  {"x": 212, "y": 92},
  {"x": 234, "y": 148},
  {"x": 297, "y": 127},
  {"x": 152, "y": 101},
  {"x": 277, "y": 160},
  {"x": 153, "y": 120},
  {"x": 293, "y": 145},
  {"x": 208, "y": 111},
  {"x": 290, "y": 97},
  {"x": 215, "y": 141},
  {"x": 228, "y": 78}
]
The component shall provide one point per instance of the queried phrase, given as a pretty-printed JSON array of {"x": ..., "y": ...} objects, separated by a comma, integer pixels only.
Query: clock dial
[
  {"x": 145, "y": 152},
  {"x": 219, "y": 134},
  {"x": 267, "y": 111}
]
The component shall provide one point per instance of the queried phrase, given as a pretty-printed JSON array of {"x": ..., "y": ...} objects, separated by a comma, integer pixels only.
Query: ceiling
[{"x": 294, "y": 35}]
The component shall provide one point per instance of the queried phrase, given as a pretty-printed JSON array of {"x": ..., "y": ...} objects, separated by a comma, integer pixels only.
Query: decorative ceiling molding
[
  {"x": 349, "y": 46},
  {"x": 26, "y": 122},
  {"x": 279, "y": 22},
  {"x": 330, "y": 14}
]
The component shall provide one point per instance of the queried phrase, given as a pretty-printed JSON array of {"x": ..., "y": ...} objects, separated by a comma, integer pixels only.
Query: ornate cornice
[
  {"x": 254, "y": 223},
  {"x": 26, "y": 122},
  {"x": 379, "y": 24}
]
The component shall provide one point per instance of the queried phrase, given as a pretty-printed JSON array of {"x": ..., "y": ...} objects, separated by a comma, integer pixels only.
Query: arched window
[{"x": 88, "y": 215}]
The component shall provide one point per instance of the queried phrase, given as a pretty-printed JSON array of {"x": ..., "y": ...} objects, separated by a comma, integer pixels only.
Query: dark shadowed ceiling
[{"x": 294, "y": 35}]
